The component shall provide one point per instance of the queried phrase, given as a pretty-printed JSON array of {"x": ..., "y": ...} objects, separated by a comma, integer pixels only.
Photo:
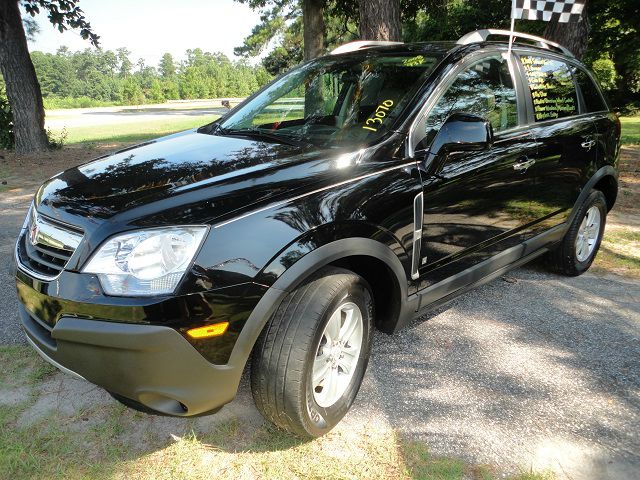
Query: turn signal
[{"x": 208, "y": 331}]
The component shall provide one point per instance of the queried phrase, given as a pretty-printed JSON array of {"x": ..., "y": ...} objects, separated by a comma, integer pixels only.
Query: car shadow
[
  {"x": 532, "y": 370},
  {"x": 525, "y": 360}
]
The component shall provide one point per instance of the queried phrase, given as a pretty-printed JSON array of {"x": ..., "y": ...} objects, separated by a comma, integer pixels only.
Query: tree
[
  {"x": 277, "y": 18},
  {"x": 314, "y": 29},
  {"x": 380, "y": 20},
  {"x": 156, "y": 94},
  {"x": 131, "y": 92},
  {"x": 573, "y": 35},
  {"x": 22, "y": 87},
  {"x": 615, "y": 28},
  {"x": 125, "y": 63},
  {"x": 167, "y": 66}
]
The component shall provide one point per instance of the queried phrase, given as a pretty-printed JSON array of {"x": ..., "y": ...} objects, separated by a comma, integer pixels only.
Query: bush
[
  {"x": 6, "y": 122},
  {"x": 631, "y": 109},
  {"x": 132, "y": 93},
  {"x": 54, "y": 103},
  {"x": 605, "y": 70},
  {"x": 57, "y": 141}
]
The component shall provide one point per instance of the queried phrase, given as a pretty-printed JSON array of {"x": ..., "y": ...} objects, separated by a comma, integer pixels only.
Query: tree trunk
[
  {"x": 380, "y": 20},
  {"x": 313, "y": 28},
  {"x": 572, "y": 35},
  {"x": 23, "y": 89}
]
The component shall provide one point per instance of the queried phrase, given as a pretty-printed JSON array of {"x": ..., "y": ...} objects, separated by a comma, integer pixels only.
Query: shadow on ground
[
  {"x": 535, "y": 370},
  {"x": 531, "y": 371}
]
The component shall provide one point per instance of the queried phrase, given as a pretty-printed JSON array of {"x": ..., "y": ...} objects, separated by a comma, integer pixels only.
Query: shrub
[
  {"x": 57, "y": 141},
  {"x": 605, "y": 70},
  {"x": 6, "y": 122},
  {"x": 54, "y": 103}
]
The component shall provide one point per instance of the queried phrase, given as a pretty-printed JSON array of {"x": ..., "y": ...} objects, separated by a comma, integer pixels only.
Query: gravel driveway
[{"x": 532, "y": 370}]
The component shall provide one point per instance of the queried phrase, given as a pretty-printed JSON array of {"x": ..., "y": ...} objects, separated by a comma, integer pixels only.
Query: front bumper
[{"x": 152, "y": 365}]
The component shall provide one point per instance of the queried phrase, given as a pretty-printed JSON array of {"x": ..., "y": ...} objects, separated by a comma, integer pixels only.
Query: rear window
[
  {"x": 552, "y": 88},
  {"x": 591, "y": 95}
]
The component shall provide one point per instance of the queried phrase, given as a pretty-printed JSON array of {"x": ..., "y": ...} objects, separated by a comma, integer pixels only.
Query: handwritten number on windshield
[{"x": 378, "y": 116}]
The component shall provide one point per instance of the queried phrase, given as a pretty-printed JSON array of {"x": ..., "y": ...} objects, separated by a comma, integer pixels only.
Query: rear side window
[
  {"x": 552, "y": 88},
  {"x": 591, "y": 95}
]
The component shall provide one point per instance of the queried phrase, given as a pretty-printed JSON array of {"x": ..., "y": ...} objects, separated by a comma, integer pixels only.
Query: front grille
[{"x": 45, "y": 246}]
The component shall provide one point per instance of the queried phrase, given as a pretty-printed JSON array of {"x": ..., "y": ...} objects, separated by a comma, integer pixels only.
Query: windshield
[{"x": 334, "y": 101}]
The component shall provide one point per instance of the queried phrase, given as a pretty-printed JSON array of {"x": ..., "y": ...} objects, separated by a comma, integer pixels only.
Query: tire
[
  {"x": 573, "y": 257},
  {"x": 296, "y": 341}
]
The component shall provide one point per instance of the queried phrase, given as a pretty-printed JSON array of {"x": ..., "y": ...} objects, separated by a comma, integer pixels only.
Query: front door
[{"x": 479, "y": 203}]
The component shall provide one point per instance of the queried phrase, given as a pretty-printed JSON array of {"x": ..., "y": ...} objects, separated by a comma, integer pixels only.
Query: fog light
[{"x": 207, "y": 331}]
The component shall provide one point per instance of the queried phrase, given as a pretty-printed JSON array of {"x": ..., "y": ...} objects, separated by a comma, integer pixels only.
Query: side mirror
[{"x": 462, "y": 132}]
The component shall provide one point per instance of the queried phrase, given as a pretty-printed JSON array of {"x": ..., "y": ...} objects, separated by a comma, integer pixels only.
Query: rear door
[
  {"x": 607, "y": 133},
  {"x": 566, "y": 134}
]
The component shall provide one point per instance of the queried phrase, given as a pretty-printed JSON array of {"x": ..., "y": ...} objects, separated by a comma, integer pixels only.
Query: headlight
[{"x": 145, "y": 262}]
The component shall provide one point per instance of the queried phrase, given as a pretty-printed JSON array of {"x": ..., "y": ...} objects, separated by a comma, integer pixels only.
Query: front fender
[
  {"x": 295, "y": 274},
  {"x": 354, "y": 238}
]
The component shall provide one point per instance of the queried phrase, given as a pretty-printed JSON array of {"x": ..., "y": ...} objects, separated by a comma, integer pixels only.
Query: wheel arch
[
  {"x": 365, "y": 256},
  {"x": 604, "y": 179},
  {"x": 608, "y": 185}
]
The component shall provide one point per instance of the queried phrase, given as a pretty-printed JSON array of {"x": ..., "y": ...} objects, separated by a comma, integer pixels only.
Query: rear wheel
[
  {"x": 580, "y": 245},
  {"x": 309, "y": 361}
]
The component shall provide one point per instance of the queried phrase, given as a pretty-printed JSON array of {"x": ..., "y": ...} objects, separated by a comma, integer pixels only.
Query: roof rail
[
  {"x": 360, "y": 45},
  {"x": 482, "y": 35}
]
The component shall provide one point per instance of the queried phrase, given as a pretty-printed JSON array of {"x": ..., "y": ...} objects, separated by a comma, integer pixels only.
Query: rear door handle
[{"x": 523, "y": 164}]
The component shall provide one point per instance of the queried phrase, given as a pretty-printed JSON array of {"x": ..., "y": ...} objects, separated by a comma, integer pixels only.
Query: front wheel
[
  {"x": 580, "y": 245},
  {"x": 309, "y": 362}
]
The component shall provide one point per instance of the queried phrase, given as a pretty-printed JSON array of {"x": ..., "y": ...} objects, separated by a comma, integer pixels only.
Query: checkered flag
[{"x": 562, "y": 11}]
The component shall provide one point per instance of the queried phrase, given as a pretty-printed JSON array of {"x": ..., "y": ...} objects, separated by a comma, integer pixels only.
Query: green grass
[
  {"x": 20, "y": 365},
  {"x": 131, "y": 132},
  {"x": 422, "y": 465},
  {"x": 620, "y": 252},
  {"x": 630, "y": 130}
]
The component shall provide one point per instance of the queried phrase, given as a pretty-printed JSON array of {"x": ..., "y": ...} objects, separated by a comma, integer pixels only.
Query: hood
[{"x": 176, "y": 176}]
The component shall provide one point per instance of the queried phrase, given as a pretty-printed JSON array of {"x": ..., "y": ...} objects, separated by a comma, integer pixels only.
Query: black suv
[{"x": 352, "y": 193}]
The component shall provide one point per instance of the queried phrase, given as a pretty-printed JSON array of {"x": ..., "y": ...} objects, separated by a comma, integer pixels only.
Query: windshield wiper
[{"x": 260, "y": 134}]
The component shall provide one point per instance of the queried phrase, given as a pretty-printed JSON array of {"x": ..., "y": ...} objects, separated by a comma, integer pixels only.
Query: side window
[
  {"x": 552, "y": 88},
  {"x": 485, "y": 88},
  {"x": 591, "y": 95}
]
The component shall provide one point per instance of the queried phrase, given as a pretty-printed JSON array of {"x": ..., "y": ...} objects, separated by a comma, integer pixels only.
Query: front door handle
[
  {"x": 523, "y": 164},
  {"x": 588, "y": 144}
]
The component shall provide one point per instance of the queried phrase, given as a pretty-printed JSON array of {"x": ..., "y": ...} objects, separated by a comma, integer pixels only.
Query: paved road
[
  {"x": 84, "y": 117},
  {"x": 529, "y": 371}
]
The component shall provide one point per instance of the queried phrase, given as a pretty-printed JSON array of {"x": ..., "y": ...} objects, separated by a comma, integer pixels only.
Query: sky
[{"x": 149, "y": 28}]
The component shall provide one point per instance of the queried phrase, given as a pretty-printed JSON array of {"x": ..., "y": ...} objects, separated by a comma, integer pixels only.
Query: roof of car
[
  {"x": 438, "y": 48},
  {"x": 470, "y": 41},
  {"x": 442, "y": 48}
]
